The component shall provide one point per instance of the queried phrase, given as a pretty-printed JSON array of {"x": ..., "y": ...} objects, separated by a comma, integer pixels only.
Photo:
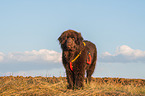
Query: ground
[{"x": 57, "y": 86}]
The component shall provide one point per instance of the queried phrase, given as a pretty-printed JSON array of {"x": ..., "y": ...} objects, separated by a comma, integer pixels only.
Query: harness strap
[
  {"x": 89, "y": 54},
  {"x": 76, "y": 57},
  {"x": 88, "y": 61},
  {"x": 84, "y": 43},
  {"x": 71, "y": 66}
]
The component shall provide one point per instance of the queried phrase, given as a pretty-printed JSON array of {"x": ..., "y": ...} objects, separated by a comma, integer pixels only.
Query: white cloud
[
  {"x": 126, "y": 50},
  {"x": 1, "y": 56},
  {"x": 123, "y": 54},
  {"x": 32, "y": 56}
]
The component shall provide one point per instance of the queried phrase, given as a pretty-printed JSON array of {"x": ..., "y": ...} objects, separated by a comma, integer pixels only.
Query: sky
[{"x": 29, "y": 30}]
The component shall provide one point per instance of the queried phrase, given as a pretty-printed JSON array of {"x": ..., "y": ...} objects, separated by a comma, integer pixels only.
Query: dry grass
[{"x": 52, "y": 86}]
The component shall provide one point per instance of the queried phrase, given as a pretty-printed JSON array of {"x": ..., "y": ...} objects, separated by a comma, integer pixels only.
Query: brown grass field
[{"x": 57, "y": 86}]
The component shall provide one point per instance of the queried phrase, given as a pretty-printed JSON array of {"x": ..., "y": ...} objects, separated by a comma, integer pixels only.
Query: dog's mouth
[
  {"x": 70, "y": 44},
  {"x": 70, "y": 48}
]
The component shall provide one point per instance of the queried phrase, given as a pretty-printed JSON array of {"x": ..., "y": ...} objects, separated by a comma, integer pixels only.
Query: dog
[{"x": 78, "y": 56}]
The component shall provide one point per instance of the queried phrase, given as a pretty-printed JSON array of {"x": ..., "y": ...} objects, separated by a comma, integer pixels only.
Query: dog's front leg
[
  {"x": 70, "y": 78},
  {"x": 79, "y": 76}
]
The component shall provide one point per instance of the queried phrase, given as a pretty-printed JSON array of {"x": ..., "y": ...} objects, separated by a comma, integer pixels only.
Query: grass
[{"x": 52, "y": 86}]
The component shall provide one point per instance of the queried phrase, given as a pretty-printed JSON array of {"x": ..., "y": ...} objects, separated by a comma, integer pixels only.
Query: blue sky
[{"x": 29, "y": 30}]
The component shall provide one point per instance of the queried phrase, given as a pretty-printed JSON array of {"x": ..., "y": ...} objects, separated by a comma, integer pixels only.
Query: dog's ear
[
  {"x": 59, "y": 39},
  {"x": 79, "y": 38},
  {"x": 62, "y": 38}
]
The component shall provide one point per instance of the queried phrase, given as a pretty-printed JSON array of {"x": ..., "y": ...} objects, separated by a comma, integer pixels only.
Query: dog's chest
[{"x": 68, "y": 56}]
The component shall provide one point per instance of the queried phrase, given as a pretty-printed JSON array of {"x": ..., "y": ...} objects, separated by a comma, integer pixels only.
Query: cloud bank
[
  {"x": 43, "y": 61},
  {"x": 123, "y": 54},
  {"x": 31, "y": 56}
]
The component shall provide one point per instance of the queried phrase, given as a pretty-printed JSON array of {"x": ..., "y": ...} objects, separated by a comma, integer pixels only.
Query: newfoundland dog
[{"x": 78, "y": 56}]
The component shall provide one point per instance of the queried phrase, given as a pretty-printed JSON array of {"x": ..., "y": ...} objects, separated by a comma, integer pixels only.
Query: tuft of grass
[{"x": 57, "y": 86}]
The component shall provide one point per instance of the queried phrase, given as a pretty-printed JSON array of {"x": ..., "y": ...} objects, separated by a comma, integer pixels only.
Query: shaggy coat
[{"x": 77, "y": 50}]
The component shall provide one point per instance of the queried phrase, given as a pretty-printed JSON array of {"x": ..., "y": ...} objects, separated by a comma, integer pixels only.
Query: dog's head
[{"x": 70, "y": 40}]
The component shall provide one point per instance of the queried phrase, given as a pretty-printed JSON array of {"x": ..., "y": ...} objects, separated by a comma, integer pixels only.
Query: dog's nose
[{"x": 69, "y": 41}]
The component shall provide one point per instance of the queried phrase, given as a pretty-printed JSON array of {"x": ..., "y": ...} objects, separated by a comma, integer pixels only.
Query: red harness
[
  {"x": 71, "y": 66},
  {"x": 89, "y": 59}
]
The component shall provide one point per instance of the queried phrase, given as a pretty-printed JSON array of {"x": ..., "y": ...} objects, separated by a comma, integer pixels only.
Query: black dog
[{"x": 78, "y": 56}]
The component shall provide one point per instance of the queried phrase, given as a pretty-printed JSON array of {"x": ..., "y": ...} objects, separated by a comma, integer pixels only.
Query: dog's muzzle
[{"x": 69, "y": 43}]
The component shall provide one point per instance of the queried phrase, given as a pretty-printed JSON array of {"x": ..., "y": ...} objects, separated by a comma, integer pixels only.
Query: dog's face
[{"x": 70, "y": 40}]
